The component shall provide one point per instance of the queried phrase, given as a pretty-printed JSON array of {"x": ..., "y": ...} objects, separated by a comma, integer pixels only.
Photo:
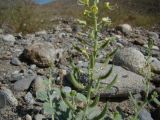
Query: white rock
[
  {"x": 28, "y": 117},
  {"x": 8, "y": 38},
  {"x": 155, "y": 37},
  {"x": 125, "y": 28},
  {"x": 41, "y": 33}
]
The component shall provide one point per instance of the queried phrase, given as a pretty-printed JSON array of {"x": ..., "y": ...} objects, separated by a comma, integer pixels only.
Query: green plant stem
[
  {"x": 90, "y": 70},
  {"x": 50, "y": 89}
]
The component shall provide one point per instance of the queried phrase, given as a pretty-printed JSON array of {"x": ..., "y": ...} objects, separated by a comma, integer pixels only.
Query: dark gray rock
[
  {"x": 156, "y": 79},
  {"x": 156, "y": 114},
  {"x": 158, "y": 90},
  {"x": 24, "y": 83}
]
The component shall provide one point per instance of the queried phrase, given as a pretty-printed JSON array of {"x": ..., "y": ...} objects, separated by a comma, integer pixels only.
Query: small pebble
[
  {"x": 29, "y": 98},
  {"x": 28, "y": 117},
  {"x": 15, "y": 61},
  {"x": 39, "y": 117},
  {"x": 33, "y": 67}
]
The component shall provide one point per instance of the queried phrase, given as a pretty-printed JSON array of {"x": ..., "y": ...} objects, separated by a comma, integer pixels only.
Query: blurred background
[{"x": 32, "y": 15}]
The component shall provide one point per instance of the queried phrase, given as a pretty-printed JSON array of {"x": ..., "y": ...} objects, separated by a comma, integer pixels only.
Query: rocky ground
[{"x": 24, "y": 61}]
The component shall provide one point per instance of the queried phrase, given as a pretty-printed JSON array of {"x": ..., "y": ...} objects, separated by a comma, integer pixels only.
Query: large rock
[
  {"x": 127, "y": 81},
  {"x": 41, "y": 54},
  {"x": 132, "y": 59}
]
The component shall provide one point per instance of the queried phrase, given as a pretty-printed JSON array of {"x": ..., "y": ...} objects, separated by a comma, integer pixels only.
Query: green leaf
[
  {"x": 80, "y": 115},
  {"x": 84, "y": 2},
  {"x": 95, "y": 102},
  {"x": 63, "y": 106},
  {"x": 107, "y": 5},
  {"x": 75, "y": 83},
  {"x": 154, "y": 98},
  {"x": 42, "y": 95},
  {"x": 86, "y": 12},
  {"x": 48, "y": 108},
  {"x": 117, "y": 116},
  {"x": 113, "y": 52},
  {"x": 55, "y": 94},
  {"x": 107, "y": 74},
  {"x": 93, "y": 112},
  {"x": 73, "y": 93},
  {"x": 156, "y": 101},
  {"x": 110, "y": 85},
  {"x": 67, "y": 102},
  {"x": 83, "y": 51},
  {"x": 106, "y": 43},
  {"x": 46, "y": 82},
  {"x": 92, "y": 35},
  {"x": 92, "y": 61},
  {"x": 102, "y": 114},
  {"x": 82, "y": 41},
  {"x": 81, "y": 98},
  {"x": 108, "y": 56}
]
